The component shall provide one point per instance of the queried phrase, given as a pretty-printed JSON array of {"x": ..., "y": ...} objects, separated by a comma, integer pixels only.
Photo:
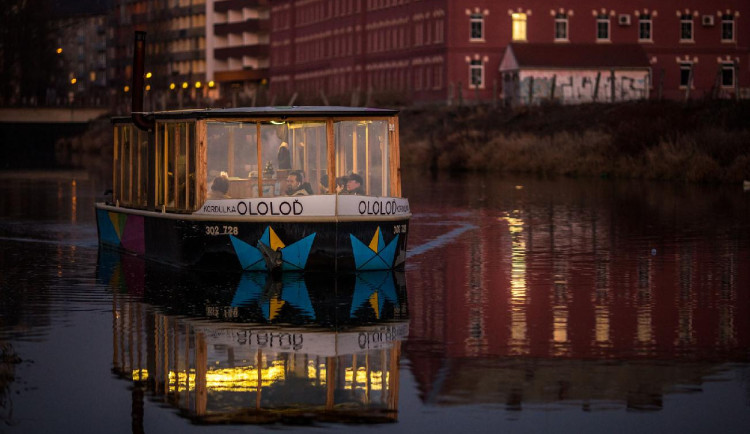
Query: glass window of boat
[
  {"x": 362, "y": 148},
  {"x": 176, "y": 166},
  {"x": 253, "y": 170},
  {"x": 130, "y": 166},
  {"x": 231, "y": 153}
]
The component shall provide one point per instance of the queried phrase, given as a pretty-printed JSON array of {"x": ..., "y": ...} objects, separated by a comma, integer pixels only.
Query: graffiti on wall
[{"x": 572, "y": 87}]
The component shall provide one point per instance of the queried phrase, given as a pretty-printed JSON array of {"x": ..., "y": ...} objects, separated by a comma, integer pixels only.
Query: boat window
[
  {"x": 175, "y": 167},
  {"x": 307, "y": 149},
  {"x": 232, "y": 152},
  {"x": 130, "y": 166},
  {"x": 362, "y": 148}
]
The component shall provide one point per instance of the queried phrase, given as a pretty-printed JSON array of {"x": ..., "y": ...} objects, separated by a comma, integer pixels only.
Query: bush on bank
[{"x": 706, "y": 141}]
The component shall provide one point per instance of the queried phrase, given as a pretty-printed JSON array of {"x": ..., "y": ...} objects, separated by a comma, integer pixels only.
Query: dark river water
[{"x": 526, "y": 306}]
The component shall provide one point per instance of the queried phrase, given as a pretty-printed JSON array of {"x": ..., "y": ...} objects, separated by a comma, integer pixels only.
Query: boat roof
[{"x": 265, "y": 112}]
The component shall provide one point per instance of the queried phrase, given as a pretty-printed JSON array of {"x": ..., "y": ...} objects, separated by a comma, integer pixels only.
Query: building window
[
  {"x": 561, "y": 27},
  {"x": 644, "y": 28},
  {"x": 476, "y": 23},
  {"x": 519, "y": 26},
  {"x": 602, "y": 27},
  {"x": 727, "y": 74},
  {"x": 439, "y": 31},
  {"x": 476, "y": 74},
  {"x": 727, "y": 28},
  {"x": 686, "y": 27},
  {"x": 686, "y": 69}
]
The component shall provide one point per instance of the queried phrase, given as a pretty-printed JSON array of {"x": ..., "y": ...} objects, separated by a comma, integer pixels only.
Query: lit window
[
  {"x": 519, "y": 26},
  {"x": 561, "y": 27},
  {"x": 476, "y": 74},
  {"x": 686, "y": 69},
  {"x": 644, "y": 27},
  {"x": 602, "y": 27},
  {"x": 686, "y": 27},
  {"x": 476, "y": 23},
  {"x": 727, "y": 74},
  {"x": 727, "y": 28}
]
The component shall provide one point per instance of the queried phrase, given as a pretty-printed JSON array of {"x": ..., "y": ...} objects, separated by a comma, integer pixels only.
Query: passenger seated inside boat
[
  {"x": 294, "y": 185},
  {"x": 219, "y": 188},
  {"x": 354, "y": 185},
  {"x": 306, "y": 185}
]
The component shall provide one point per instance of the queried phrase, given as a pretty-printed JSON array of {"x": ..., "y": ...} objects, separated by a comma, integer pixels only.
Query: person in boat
[
  {"x": 354, "y": 185},
  {"x": 284, "y": 157},
  {"x": 306, "y": 185},
  {"x": 219, "y": 188},
  {"x": 294, "y": 185}
]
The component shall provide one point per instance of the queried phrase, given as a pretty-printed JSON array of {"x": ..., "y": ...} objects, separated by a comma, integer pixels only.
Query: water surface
[{"x": 526, "y": 305}]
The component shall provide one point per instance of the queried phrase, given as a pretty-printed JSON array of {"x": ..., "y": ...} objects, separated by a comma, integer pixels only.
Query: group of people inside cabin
[
  {"x": 295, "y": 180},
  {"x": 296, "y": 185}
]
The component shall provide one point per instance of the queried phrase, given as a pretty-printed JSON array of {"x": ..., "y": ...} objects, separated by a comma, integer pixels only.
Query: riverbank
[{"x": 663, "y": 140}]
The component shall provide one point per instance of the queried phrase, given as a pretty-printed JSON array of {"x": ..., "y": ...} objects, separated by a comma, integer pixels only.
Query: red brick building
[{"x": 350, "y": 51}]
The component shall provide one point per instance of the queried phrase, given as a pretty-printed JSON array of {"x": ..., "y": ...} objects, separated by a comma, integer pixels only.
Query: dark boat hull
[{"x": 326, "y": 245}]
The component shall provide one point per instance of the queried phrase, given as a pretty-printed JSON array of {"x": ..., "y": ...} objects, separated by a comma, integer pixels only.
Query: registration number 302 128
[{"x": 221, "y": 230}]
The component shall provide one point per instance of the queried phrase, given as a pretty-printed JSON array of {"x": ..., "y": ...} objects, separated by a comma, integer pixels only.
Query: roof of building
[
  {"x": 279, "y": 112},
  {"x": 573, "y": 56}
]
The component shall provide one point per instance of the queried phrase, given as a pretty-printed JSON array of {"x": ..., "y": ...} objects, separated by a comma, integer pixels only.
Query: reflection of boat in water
[
  {"x": 255, "y": 188},
  {"x": 251, "y": 348}
]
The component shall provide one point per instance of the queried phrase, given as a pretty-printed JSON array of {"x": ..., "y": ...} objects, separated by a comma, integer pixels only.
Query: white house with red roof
[{"x": 574, "y": 73}]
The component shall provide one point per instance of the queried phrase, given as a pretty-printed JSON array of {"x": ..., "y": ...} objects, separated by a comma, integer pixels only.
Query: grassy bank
[{"x": 700, "y": 142}]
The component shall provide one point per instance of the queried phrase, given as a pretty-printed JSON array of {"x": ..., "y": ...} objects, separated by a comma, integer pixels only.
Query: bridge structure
[{"x": 50, "y": 115}]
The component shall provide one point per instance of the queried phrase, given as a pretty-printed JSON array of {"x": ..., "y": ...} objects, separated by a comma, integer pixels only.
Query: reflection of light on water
[
  {"x": 376, "y": 379},
  {"x": 644, "y": 334},
  {"x": 560, "y": 313},
  {"x": 518, "y": 327},
  {"x": 600, "y": 300},
  {"x": 601, "y": 325},
  {"x": 73, "y": 202},
  {"x": 245, "y": 378}
]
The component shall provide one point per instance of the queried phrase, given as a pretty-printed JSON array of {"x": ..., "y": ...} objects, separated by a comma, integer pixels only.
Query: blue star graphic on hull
[
  {"x": 294, "y": 256},
  {"x": 376, "y": 255}
]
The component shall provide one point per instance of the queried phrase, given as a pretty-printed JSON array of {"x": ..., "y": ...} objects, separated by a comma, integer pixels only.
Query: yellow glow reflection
[
  {"x": 376, "y": 379},
  {"x": 73, "y": 202},
  {"x": 601, "y": 325},
  {"x": 518, "y": 327},
  {"x": 238, "y": 379}
]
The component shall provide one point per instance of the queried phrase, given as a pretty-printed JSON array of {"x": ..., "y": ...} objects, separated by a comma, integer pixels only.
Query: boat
[{"x": 257, "y": 188}]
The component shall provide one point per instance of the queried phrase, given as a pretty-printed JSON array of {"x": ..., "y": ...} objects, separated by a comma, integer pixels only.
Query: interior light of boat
[
  {"x": 211, "y": 83},
  {"x": 171, "y": 86},
  {"x": 126, "y": 89},
  {"x": 197, "y": 84},
  {"x": 148, "y": 75},
  {"x": 184, "y": 84},
  {"x": 278, "y": 122}
]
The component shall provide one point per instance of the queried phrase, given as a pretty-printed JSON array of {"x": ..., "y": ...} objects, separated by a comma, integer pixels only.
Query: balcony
[
  {"x": 241, "y": 75},
  {"x": 224, "y": 6},
  {"x": 250, "y": 25},
  {"x": 243, "y": 50}
]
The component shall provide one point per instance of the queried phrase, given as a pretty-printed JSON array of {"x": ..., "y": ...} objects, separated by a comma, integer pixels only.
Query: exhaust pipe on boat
[{"x": 136, "y": 110}]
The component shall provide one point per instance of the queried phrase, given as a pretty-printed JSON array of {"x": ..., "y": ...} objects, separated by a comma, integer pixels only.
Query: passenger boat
[{"x": 256, "y": 188}]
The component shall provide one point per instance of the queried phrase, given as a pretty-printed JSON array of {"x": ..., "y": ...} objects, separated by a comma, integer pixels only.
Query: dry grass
[{"x": 666, "y": 141}]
